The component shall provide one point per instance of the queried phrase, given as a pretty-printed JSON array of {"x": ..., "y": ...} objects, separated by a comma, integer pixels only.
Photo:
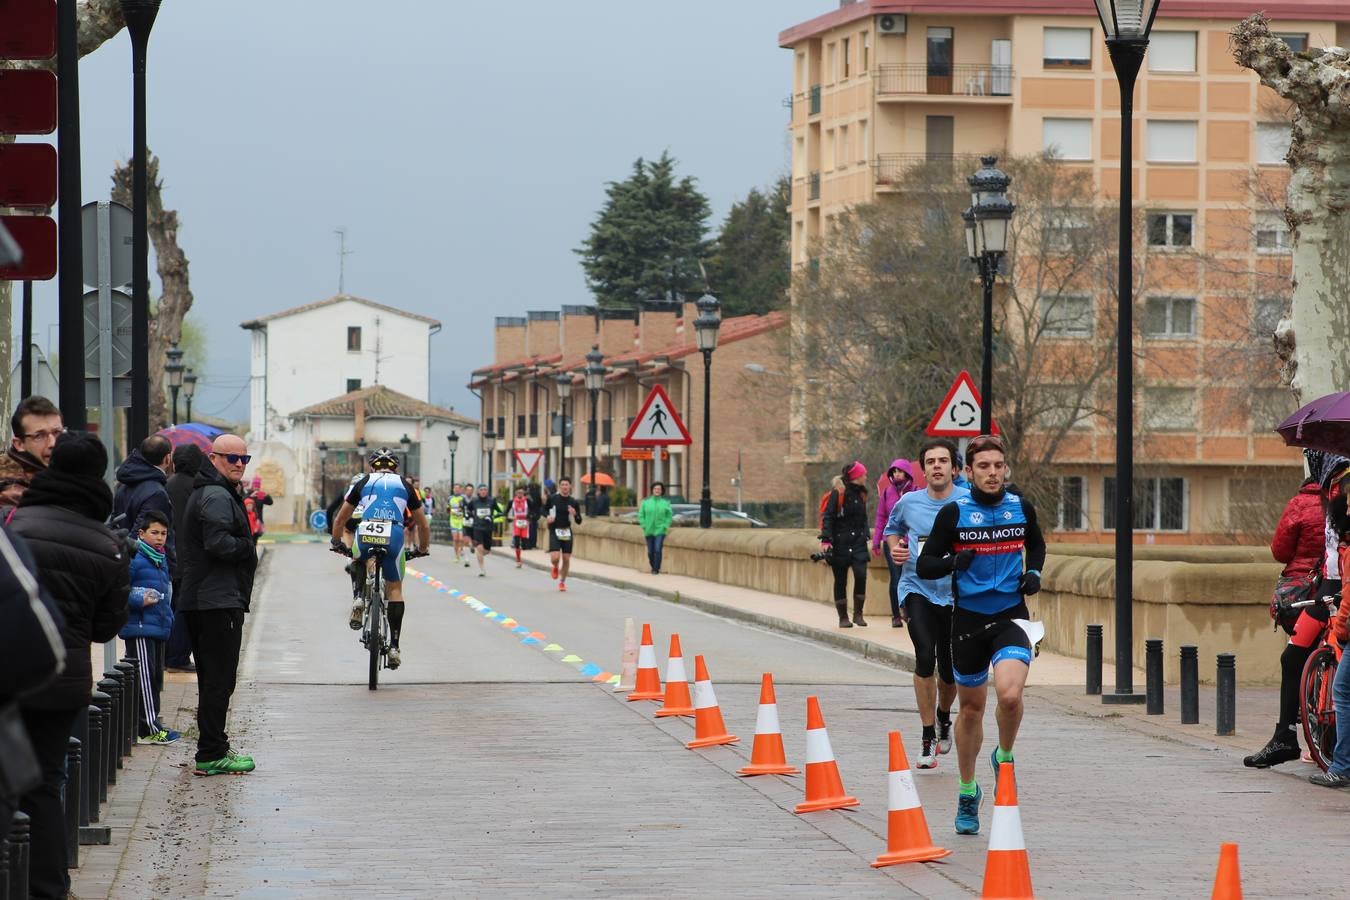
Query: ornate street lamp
[
  {"x": 361, "y": 450},
  {"x": 595, "y": 380},
  {"x": 189, "y": 388},
  {"x": 173, "y": 367},
  {"x": 452, "y": 440},
  {"x": 706, "y": 325},
  {"x": 986, "y": 224},
  {"x": 1126, "y": 24},
  {"x": 406, "y": 443}
]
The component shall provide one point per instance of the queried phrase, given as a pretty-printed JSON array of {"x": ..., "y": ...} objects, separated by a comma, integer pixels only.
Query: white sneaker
[
  {"x": 944, "y": 739},
  {"x": 928, "y": 755},
  {"x": 358, "y": 613},
  {"x": 395, "y": 658}
]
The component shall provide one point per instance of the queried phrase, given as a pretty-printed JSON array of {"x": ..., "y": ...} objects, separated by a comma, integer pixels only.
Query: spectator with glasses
[{"x": 35, "y": 426}]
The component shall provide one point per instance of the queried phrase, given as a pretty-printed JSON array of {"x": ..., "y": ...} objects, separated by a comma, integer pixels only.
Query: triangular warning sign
[
  {"x": 528, "y": 460},
  {"x": 656, "y": 424},
  {"x": 959, "y": 413}
]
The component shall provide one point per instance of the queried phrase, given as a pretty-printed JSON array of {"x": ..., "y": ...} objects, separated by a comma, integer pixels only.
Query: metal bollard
[
  {"x": 20, "y": 831},
  {"x": 131, "y": 669},
  {"x": 1190, "y": 684},
  {"x": 1153, "y": 676},
  {"x": 1225, "y": 716},
  {"x": 98, "y": 749},
  {"x": 112, "y": 727},
  {"x": 124, "y": 679},
  {"x": 1094, "y": 659},
  {"x": 71, "y": 797},
  {"x": 88, "y": 762},
  {"x": 4, "y": 865}
]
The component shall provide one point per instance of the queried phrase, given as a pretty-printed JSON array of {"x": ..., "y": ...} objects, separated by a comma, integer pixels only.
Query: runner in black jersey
[{"x": 561, "y": 511}]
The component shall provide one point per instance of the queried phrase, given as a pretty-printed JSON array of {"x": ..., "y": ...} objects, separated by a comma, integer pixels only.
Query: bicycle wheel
[
  {"x": 1319, "y": 717},
  {"x": 375, "y": 610}
]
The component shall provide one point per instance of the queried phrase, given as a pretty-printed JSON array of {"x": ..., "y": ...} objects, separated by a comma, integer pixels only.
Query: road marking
[{"x": 528, "y": 637}]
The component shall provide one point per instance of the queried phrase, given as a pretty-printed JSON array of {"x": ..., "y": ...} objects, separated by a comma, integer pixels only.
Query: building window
[
  {"x": 1171, "y": 142},
  {"x": 1067, "y": 138},
  {"x": 1272, "y": 234},
  {"x": 354, "y": 337},
  {"x": 1159, "y": 504},
  {"x": 862, "y": 141},
  {"x": 1296, "y": 42},
  {"x": 1169, "y": 408},
  {"x": 828, "y": 147},
  {"x": 1068, "y": 230},
  {"x": 1169, "y": 317},
  {"x": 1272, "y": 142},
  {"x": 1267, "y": 313},
  {"x": 832, "y": 61},
  {"x": 842, "y": 155},
  {"x": 1066, "y": 316},
  {"x": 1067, "y": 48},
  {"x": 1170, "y": 229},
  {"x": 1072, "y": 503},
  {"x": 866, "y": 52},
  {"x": 845, "y": 47},
  {"x": 1171, "y": 51},
  {"x": 353, "y": 384}
]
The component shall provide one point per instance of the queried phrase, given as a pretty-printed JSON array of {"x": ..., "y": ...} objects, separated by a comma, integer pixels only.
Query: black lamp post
[
  {"x": 452, "y": 440},
  {"x": 595, "y": 380},
  {"x": 406, "y": 443},
  {"x": 564, "y": 383},
  {"x": 174, "y": 369},
  {"x": 140, "y": 18},
  {"x": 1126, "y": 24},
  {"x": 706, "y": 325},
  {"x": 361, "y": 451},
  {"x": 323, "y": 475},
  {"x": 189, "y": 388},
  {"x": 986, "y": 223}
]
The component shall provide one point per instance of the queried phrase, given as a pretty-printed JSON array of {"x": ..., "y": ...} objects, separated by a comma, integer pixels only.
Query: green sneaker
[
  {"x": 228, "y": 765},
  {"x": 159, "y": 737},
  {"x": 230, "y": 754}
]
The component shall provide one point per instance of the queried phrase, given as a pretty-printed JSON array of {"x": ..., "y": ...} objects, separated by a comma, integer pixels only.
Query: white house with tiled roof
[{"x": 312, "y": 353}]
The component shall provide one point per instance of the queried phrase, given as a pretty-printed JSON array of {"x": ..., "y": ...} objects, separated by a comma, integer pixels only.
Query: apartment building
[{"x": 878, "y": 87}]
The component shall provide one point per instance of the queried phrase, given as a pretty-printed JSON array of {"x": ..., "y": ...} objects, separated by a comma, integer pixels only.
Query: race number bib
[
  {"x": 522, "y": 524},
  {"x": 374, "y": 532},
  {"x": 484, "y": 513},
  {"x": 564, "y": 534}
]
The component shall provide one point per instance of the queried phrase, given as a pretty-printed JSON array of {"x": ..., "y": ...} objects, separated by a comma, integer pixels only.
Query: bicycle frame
[{"x": 376, "y": 625}]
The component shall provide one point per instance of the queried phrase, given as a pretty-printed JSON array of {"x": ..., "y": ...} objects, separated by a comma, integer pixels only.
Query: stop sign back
[
  {"x": 27, "y": 101},
  {"x": 27, "y": 29}
]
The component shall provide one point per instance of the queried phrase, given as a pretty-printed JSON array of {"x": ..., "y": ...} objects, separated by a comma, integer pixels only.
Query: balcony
[
  {"x": 813, "y": 186},
  {"x": 889, "y": 169},
  {"x": 814, "y": 108},
  {"x": 976, "y": 82}
]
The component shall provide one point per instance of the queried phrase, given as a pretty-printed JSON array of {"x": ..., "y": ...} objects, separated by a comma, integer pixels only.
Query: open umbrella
[
  {"x": 1323, "y": 424},
  {"x": 192, "y": 433},
  {"x": 600, "y": 478}
]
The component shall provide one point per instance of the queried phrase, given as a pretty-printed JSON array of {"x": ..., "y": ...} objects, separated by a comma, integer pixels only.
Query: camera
[{"x": 820, "y": 556}]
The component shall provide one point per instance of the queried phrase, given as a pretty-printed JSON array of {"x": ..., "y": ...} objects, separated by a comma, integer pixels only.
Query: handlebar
[{"x": 1329, "y": 601}]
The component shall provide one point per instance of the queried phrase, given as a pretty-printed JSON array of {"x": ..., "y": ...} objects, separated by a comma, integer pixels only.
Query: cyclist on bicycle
[{"x": 383, "y": 494}]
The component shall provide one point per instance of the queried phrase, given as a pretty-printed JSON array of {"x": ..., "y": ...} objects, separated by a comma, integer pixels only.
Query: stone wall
[{"x": 1213, "y": 597}]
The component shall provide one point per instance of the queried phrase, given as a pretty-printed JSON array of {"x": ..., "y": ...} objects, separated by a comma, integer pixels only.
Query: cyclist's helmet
[{"x": 383, "y": 459}]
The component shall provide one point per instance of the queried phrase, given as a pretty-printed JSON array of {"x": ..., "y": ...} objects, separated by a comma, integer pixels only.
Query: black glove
[
  {"x": 962, "y": 560},
  {"x": 1030, "y": 583},
  {"x": 336, "y": 545}
]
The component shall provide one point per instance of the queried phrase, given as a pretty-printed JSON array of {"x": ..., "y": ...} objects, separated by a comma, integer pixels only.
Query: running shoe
[
  {"x": 482, "y": 574},
  {"x": 159, "y": 737},
  {"x": 226, "y": 765},
  {"x": 993, "y": 761},
  {"x": 395, "y": 658},
  {"x": 928, "y": 755},
  {"x": 232, "y": 755},
  {"x": 555, "y": 571},
  {"x": 518, "y": 565},
  {"x": 944, "y": 739},
  {"x": 466, "y": 563},
  {"x": 357, "y": 614},
  {"x": 968, "y": 812},
  {"x": 562, "y": 585},
  {"x": 1330, "y": 779},
  {"x": 1278, "y": 750}
]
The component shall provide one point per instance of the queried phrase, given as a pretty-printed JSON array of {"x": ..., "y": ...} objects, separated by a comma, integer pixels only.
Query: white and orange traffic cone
[
  {"x": 1007, "y": 871},
  {"x": 766, "y": 754},
  {"x": 907, "y": 837},
  {"x": 1228, "y": 880},
  {"x": 824, "y": 787},
  {"x": 677, "y": 702},
  {"x": 628, "y": 663},
  {"x": 709, "y": 729},
  {"x": 648, "y": 683}
]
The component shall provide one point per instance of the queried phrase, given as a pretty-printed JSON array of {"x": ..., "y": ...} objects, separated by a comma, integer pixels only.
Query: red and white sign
[
  {"x": 528, "y": 460},
  {"x": 958, "y": 415},
  {"x": 657, "y": 424}
]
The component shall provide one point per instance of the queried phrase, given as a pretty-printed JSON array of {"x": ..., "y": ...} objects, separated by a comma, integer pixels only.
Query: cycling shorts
[
  {"x": 980, "y": 641},
  {"x": 391, "y": 567}
]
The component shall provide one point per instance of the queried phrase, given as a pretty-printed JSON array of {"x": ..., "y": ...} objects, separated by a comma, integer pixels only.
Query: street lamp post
[
  {"x": 1126, "y": 24},
  {"x": 361, "y": 451},
  {"x": 189, "y": 388},
  {"x": 564, "y": 383},
  {"x": 452, "y": 440},
  {"x": 406, "y": 443},
  {"x": 323, "y": 475},
  {"x": 986, "y": 223},
  {"x": 595, "y": 380},
  {"x": 174, "y": 369},
  {"x": 706, "y": 325}
]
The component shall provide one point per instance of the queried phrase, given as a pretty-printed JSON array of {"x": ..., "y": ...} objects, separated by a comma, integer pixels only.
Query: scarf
[
  {"x": 87, "y": 495},
  {"x": 150, "y": 553}
]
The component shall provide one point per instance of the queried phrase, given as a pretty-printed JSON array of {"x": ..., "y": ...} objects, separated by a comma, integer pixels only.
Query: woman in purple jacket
[{"x": 899, "y": 481}]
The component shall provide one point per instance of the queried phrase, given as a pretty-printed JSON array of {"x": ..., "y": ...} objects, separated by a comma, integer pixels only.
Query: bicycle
[
  {"x": 1316, "y": 708},
  {"x": 375, "y": 629}
]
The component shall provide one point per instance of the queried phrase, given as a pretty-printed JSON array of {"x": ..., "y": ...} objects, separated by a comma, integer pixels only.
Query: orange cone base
[
  {"x": 1007, "y": 876},
  {"x": 827, "y": 803},
  {"x": 647, "y": 695},
  {"x": 768, "y": 769},
  {"x": 712, "y": 741},
  {"x": 674, "y": 711},
  {"x": 918, "y": 854}
]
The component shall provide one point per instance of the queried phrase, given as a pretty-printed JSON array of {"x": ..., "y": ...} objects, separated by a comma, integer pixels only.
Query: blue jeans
[
  {"x": 1340, "y": 696},
  {"x": 654, "y": 543}
]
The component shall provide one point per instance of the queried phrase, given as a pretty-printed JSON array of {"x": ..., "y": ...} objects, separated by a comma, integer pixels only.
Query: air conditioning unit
[{"x": 894, "y": 23}]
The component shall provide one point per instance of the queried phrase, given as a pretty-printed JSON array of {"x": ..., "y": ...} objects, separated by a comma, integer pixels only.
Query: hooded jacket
[
  {"x": 154, "y": 621},
  {"x": 140, "y": 488},
  {"x": 888, "y": 495},
  {"x": 217, "y": 560},
  {"x": 1300, "y": 539}
]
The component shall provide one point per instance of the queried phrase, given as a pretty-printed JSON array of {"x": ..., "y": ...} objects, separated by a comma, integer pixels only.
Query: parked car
[{"x": 686, "y": 515}]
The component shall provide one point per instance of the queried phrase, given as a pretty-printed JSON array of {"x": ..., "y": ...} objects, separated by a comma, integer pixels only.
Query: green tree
[
  {"x": 649, "y": 239},
  {"x": 751, "y": 265}
]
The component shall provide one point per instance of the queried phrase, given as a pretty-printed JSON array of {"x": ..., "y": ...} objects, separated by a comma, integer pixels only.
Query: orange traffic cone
[
  {"x": 766, "y": 754},
  {"x": 907, "y": 837},
  {"x": 648, "y": 685},
  {"x": 1007, "y": 873},
  {"x": 709, "y": 728},
  {"x": 824, "y": 787},
  {"x": 677, "y": 701},
  {"x": 1228, "y": 881}
]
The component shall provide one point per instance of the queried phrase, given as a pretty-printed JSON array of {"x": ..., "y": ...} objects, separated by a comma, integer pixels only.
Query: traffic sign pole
[{"x": 105, "y": 373}]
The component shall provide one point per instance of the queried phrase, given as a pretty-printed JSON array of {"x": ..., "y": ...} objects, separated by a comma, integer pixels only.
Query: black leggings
[
  {"x": 930, "y": 628},
  {"x": 841, "y": 570}
]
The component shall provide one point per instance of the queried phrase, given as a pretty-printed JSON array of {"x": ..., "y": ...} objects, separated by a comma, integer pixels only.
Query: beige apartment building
[{"x": 878, "y": 87}]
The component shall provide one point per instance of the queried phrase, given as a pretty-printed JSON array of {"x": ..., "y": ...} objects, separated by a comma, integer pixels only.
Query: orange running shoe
[{"x": 562, "y": 585}]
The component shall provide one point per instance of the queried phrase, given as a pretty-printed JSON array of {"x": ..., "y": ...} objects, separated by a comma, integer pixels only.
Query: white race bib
[
  {"x": 484, "y": 513},
  {"x": 374, "y": 532},
  {"x": 522, "y": 524},
  {"x": 564, "y": 534}
]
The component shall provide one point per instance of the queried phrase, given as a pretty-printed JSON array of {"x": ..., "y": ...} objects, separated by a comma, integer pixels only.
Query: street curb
[{"x": 898, "y": 659}]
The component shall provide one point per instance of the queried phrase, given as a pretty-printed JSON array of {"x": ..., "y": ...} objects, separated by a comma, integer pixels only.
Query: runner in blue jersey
[
  {"x": 980, "y": 541},
  {"x": 927, "y": 605},
  {"x": 383, "y": 494}
]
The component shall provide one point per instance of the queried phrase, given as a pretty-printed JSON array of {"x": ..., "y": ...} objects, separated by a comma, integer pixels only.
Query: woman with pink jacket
[{"x": 898, "y": 481}]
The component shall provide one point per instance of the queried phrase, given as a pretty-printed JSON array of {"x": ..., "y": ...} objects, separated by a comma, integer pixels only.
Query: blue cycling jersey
[
  {"x": 998, "y": 536},
  {"x": 382, "y": 495}
]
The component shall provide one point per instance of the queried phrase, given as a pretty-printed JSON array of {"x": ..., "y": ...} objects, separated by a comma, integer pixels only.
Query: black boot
[
  {"x": 842, "y": 608},
  {"x": 1281, "y": 748},
  {"x": 858, "y": 604}
]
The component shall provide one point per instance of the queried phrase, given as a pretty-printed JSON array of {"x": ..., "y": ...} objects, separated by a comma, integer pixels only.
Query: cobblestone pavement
[{"x": 486, "y": 767}]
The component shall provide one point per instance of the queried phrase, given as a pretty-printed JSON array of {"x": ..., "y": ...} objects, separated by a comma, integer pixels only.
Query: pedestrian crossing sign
[{"x": 656, "y": 424}]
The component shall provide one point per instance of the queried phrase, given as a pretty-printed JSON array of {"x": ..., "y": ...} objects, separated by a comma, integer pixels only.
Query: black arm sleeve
[
  {"x": 936, "y": 559},
  {"x": 1035, "y": 541}
]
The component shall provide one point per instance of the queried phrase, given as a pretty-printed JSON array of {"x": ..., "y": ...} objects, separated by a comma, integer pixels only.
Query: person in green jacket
[{"x": 654, "y": 516}]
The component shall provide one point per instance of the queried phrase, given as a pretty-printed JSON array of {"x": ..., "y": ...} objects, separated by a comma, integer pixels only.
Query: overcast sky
[{"x": 464, "y": 147}]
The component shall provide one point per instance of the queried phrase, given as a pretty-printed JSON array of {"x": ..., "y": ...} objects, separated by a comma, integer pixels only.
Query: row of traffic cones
[{"x": 1007, "y": 871}]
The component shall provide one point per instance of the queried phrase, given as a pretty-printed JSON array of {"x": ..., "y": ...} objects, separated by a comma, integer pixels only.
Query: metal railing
[
  {"x": 813, "y": 186},
  {"x": 814, "y": 108},
  {"x": 960, "y": 80},
  {"x": 890, "y": 168}
]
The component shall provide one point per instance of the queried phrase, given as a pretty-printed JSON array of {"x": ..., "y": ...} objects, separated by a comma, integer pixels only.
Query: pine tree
[
  {"x": 751, "y": 263},
  {"x": 648, "y": 240}
]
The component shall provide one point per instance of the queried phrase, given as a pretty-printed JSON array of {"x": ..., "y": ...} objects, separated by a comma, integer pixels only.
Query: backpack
[{"x": 825, "y": 502}]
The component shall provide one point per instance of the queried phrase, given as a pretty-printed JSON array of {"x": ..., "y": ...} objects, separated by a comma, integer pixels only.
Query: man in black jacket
[
  {"x": 217, "y": 560},
  {"x": 82, "y": 566},
  {"x": 187, "y": 461}
]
